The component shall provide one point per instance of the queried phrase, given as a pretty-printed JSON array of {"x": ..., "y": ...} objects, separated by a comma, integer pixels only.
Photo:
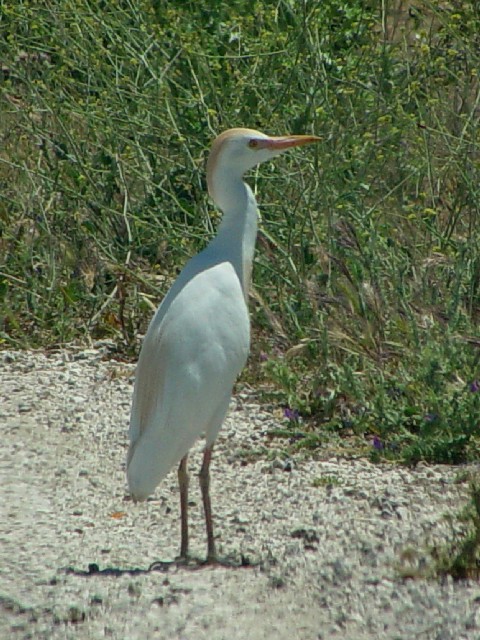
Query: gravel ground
[{"x": 324, "y": 557}]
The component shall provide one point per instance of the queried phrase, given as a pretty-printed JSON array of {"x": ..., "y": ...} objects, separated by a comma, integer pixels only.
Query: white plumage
[{"x": 198, "y": 341}]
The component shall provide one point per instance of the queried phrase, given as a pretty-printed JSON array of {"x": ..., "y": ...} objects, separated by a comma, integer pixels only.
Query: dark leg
[
  {"x": 183, "y": 483},
  {"x": 205, "y": 487}
]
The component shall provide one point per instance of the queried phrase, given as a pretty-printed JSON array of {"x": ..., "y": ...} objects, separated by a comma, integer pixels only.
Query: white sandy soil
[{"x": 75, "y": 551}]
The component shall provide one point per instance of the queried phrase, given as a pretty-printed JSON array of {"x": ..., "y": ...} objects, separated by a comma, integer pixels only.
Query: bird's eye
[{"x": 253, "y": 144}]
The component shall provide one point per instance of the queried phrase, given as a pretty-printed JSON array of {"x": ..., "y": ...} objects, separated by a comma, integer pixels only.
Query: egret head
[{"x": 236, "y": 151}]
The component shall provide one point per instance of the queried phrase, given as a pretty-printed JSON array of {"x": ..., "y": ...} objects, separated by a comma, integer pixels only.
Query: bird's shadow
[{"x": 181, "y": 564}]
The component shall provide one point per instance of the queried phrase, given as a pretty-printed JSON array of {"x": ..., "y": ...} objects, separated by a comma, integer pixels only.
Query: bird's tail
[{"x": 150, "y": 458}]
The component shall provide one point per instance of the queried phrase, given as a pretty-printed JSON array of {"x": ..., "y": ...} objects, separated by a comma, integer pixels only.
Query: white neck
[{"x": 235, "y": 239}]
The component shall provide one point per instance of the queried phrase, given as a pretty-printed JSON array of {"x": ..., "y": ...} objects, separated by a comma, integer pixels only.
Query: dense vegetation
[{"x": 366, "y": 298}]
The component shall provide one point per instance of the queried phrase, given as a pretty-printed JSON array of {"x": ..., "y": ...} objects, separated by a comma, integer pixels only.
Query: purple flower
[
  {"x": 475, "y": 386},
  {"x": 291, "y": 414},
  {"x": 377, "y": 443},
  {"x": 430, "y": 417},
  {"x": 263, "y": 356}
]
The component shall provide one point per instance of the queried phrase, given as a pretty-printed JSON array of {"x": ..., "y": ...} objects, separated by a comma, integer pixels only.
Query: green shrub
[{"x": 367, "y": 271}]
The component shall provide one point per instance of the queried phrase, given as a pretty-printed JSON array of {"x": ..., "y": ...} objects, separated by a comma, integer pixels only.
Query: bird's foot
[
  {"x": 186, "y": 560},
  {"x": 161, "y": 565},
  {"x": 232, "y": 561}
]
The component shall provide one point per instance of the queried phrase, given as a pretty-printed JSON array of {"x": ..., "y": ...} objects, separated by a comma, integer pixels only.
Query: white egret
[{"x": 199, "y": 339}]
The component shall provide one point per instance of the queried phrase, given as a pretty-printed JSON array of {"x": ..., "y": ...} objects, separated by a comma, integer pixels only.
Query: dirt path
[{"x": 328, "y": 554}]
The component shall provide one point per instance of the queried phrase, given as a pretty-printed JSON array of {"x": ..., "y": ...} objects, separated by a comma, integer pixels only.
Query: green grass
[
  {"x": 366, "y": 299},
  {"x": 460, "y": 556},
  {"x": 461, "y": 559}
]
